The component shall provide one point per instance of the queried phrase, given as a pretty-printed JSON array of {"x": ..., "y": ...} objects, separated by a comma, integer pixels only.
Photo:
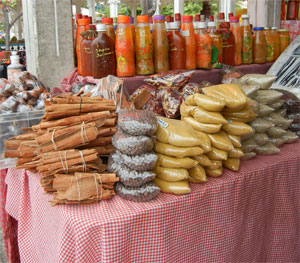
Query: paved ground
[{"x": 2, "y": 249}]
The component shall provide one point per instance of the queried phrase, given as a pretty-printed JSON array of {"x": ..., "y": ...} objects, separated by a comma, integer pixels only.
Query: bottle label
[
  {"x": 87, "y": 50},
  {"x": 103, "y": 52},
  {"x": 270, "y": 51},
  {"x": 214, "y": 57},
  {"x": 185, "y": 33}
]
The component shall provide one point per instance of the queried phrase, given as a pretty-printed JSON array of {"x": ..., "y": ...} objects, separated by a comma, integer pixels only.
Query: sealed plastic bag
[
  {"x": 177, "y": 133},
  {"x": 267, "y": 149},
  {"x": 171, "y": 100},
  {"x": 221, "y": 141},
  {"x": 278, "y": 141},
  {"x": 204, "y": 116},
  {"x": 142, "y": 193},
  {"x": 203, "y": 160},
  {"x": 279, "y": 121},
  {"x": 261, "y": 125},
  {"x": 247, "y": 136},
  {"x": 282, "y": 113},
  {"x": 249, "y": 145},
  {"x": 171, "y": 174},
  {"x": 186, "y": 110},
  {"x": 277, "y": 105},
  {"x": 215, "y": 165},
  {"x": 260, "y": 138},
  {"x": 203, "y": 127},
  {"x": 248, "y": 156},
  {"x": 205, "y": 102},
  {"x": 264, "y": 110},
  {"x": 198, "y": 173},
  {"x": 214, "y": 172},
  {"x": 235, "y": 140},
  {"x": 177, "y": 188},
  {"x": 254, "y": 106},
  {"x": 216, "y": 154},
  {"x": 231, "y": 93},
  {"x": 230, "y": 74},
  {"x": 236, "y": 153},
  {"x": 290, "y": 137},
  {"x": 276, "y": 132},
  {"x": 232, "y": 164},
  {"x": 175, "y": 151},
  {"x": 137, "y": 122},
  {"x": 131, "y": 145},
  {"x": 173, "y": 162},
  {"x": 190, "y": 89},
  {"x": 268, "y": 96},
  {"x": 261, "y": 80},
  {"x": 243, "y": 115},
  {"x": 250, "y": 90},
  {"x": 237, "y": 128},
  {"x": 205, "y": 141}
]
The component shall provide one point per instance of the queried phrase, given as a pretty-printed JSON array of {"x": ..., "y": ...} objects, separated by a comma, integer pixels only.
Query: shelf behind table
[{"x": 252, "y": 215}]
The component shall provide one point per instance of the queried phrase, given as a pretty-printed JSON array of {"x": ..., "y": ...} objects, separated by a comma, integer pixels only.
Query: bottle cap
[
  {"x": 201, "y": 25},
  {"x": 222, "y": 16},
  {"x": 90, "y": 20},
  {"x": 258, "y": 28},
  {"x": 177, "y": 17},
  {"x": 245, "y": 17},
  {"x": 197, "y": 18},
  {"x": 101, "y": 27},
  {"x": 234, "y": 19},
  {"x": 157, "y": 18},
  {"x": 173, "y": 25},
  {"x": 83, "y": 21},
  {"x": 274, "y": 28},
  {"x": 211, "y": 24},
  {"x": 172, "y": 19},
  {"x": 123, "y": 19},
  {"x": 151, "y": 19},
  {"x": 168, "y": 19},
  {"x": 187, "y": 19},
  {"x": 78, "y": 16},
  {"x": 267, "y": 28},
  {"x": 211, "y": 18},
  {"x": 107, "y": 20},
  {"x": 90, "y": 27},
  {"x": 85, "y": 16},
  {"x": 230, "y": 15},
  {"x": 142, "y": 19}
]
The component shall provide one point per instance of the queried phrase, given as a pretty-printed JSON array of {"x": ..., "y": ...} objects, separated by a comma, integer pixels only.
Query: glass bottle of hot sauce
[
  {"x": 203, "y": 42},
  {"x": 103, "y": 54},
  {"x": 178, "y": 20},
  {"x": 143, "y": 47},
  {"x": 176, "y": 48},
  {"x": 236, "y": 30},
  {"x": 292, "y": 10},
  {"x": 284, "y": 36},
  {"x": 86, "y": 51},
  {"x": 190, "y": 43},
  {"x": 247, "y": 48},
  {"x": 221, "y": 20},
  {"x": 259, "y": 46},
  {"x": 82, "y": 23},
  {"x": 160, "y": 44},
  {"x": 124, "y": 48},
  {"x": 276, "y": 41},
  {"x": 108, "y": 21},
  {"x": 283, "y": 10},
  {"x": 131, "y": 22},
  {"x": 216, "y": 47},
  {"x": 270, "y": 45},
  {"x": 228, "y": 44}
]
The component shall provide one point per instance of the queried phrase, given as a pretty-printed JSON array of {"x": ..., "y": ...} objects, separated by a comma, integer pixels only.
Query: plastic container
[
  {"x": 284, "y": 36},
  {"x": 247, "y": 47},
  {"x": 276, "y": 42},
  {"x": 204, "y": 43},
  {"x": 15, "y": 65},
  {"x": 270, "y": 45},
  {"x": 190, "y": 42},
  {"x": 108, "y": 21},
  {"x": 217, "y": 46},
  {"x": 82, "y": 23},
  {"x": 259, "y": 46},
  {"x": 236, "y": 30},
  {"x": 292, "y": 10},
  {"x": 228, "y": 44}
]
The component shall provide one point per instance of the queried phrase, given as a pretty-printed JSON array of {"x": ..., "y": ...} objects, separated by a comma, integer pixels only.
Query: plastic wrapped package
[
  {"x": 142, "y": 193},
  {"x": 290, "y": 137},
  {"x": 236, "y": 153},
  {"x": 221, "y": 141},
  {"x": 198, "y": 173},
  {"x": 250, "y": 90},
  {"x": 261, "y": 138},
  {"x": 190, "y": 89},
  {"x": 254, "y": 106},
  {"x": 173, "y": 162},
  {"x": 247, "y": 136},
  {"x": 205, "y": 141},
  {"x": 155, "y": 106},
  {"x": 129, "y": 177},
  {"x": 232, "y": 164},
  {"x": 175, "y": 151},
  {"x": 243, "y": 115},
  {"x": 142, "y": 162},
  {"x": 278, "y": 141},
  {"x": 282, "y": 113},
  {"x": 214, "y": 172},
  {"x": 261, "y": 80},
  {"x": 177, "y": 188},
  {"x": 216, "y": 154},
  {"x": 203, "y": 127},
  {"x": 277, "y": 105},
  {"x": 131, "y": 145},
  {"x": 203, "y": 160},
  {"x": 279, "y": 121},
  {"x": 171, "y": 100},
  {"x": 248, "y": 156},
  {"x": 237, "y": 128},
  {"x": 264, "y": 110},
  {"x": 177, "y": 133},
  {"x": 235, "y": 140},
  {"x": 276, "y": 132},
  {"x": 186, "y": 110},
  {"x": 215, "y": 165},
  {"x": 268, "y": 96},
  {"x": 137, "y": 122},
  {"x": 230, "y": 73},
  {"x": 205, "y": 102},
  {"x": 204, "y": 116},
  {"x": 171, "y": 174},
  {"x": 233, "y": 96},
  {"x": 267, "y": 149},
  {"x": 261, "y": 125},
  {"x": 249, "y": 145}
]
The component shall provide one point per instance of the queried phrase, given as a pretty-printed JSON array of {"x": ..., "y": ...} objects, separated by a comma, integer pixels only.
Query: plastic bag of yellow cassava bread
[
  {"x": 193, "y": 180},
  {"x": 276, "y": 132},
  {"x": 237, "y": 128},
  {"x": 268, "y": 96},
  {"x": 221, "y": 141},
  {"x": 171, "y": 174},
  {"x": 236, "y": 153},
  {"x": 249, "y": 156},
  {"x": 277, "y": 105},
  {"x": 205, "y": 145},
  {"x": 177, "y": 133},
  {"x": 267, "y": 149},
  {"x": 215, "y": 165},
  {"x": 176, "y": 151},
  {"x": 290, "y": 137},
  {"x": 250, "y": 90},
  {"x": 203, "y": 127},
  {"x": 249, "y": 145},
  {"x": 235, "y": 140},
  {"x": 232, "y": 164},
  {"x": 186, "y": 110},
  {"x": 264, "y": 110},
  {"x": 216, "y": 154},
  {"x": 177, "y": 188},
  {"x": 244, "y": 115},
  {"x": 261, "y": 80},
  {"x": 205, "y": 102},
  {"x": 279, "y": 121},
  {"x": 247, "y": 136},
  {"x": 203, "y": 160},
  {"x": 231, "y": 93},
  {"x": 173, "y": 162},
  {"x": 204, "y": 116},
  {"x": 261, "y": 125},
  {"x": 214, "y": 172},
  {"x": 260, "y": 138},
  {"x": 198, "y": 173},
  {"x": 278, "y": 141}
]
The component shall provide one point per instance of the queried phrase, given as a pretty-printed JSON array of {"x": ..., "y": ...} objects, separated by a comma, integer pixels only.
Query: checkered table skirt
[{"x": 250, "y": 216}]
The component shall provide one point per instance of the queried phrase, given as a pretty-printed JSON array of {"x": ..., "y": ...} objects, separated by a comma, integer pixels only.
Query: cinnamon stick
[
  {"x": 12, "y": 144},
  {"x": 99, "y": 141},
  {"x": 12, "y": 154},
  {"x": 107, "y": 131},
  {"x": 105, "y": 150}
]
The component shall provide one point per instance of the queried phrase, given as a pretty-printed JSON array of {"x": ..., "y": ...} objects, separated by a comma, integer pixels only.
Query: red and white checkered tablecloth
[{"x": 250, "y": 216}]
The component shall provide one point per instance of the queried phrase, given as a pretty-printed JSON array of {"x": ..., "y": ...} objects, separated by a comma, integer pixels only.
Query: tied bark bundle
[{"x": 83, "y": 188}]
